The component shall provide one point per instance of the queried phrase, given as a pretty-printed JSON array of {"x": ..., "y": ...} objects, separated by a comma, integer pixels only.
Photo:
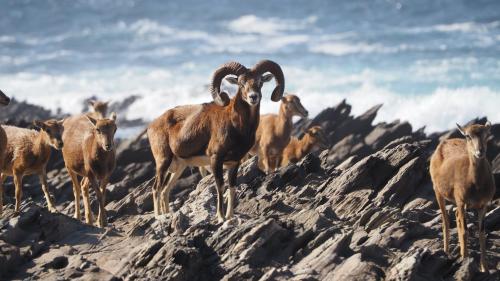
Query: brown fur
[
  {"x": 313, "y": 139},
  {"x": 207, "y": 134},
  {"x": 27, "y": 152},
  {"x": 462, "y": 175},
  {"x": 89, "y": 153},
  {"x": 99, "y": 109},
  {"x": 274, "y": 133}
]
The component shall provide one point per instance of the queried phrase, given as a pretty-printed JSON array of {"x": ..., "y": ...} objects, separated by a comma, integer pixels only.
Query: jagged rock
[
  {"x": 407, "y": 267},
  {"x": 466, "y": 271},
  {"x": 22, "y": 114},
  {"x": 324, "y": 259},
  {"x": 373, "y": 170},
  {"x": 355, "y": 268},
  {"x": 385, "y": 133},
  {"x": 10, "y": 258},
  {"x": 363, "y": 210}
]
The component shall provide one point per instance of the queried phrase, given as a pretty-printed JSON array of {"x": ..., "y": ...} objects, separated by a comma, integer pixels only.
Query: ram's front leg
[
  {"x": 216, "y": 162},
  {"x": 232, "y": 176}
]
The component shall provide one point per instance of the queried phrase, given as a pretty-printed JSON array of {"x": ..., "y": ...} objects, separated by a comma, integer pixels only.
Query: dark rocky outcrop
[{"x": 362, "y": 210}]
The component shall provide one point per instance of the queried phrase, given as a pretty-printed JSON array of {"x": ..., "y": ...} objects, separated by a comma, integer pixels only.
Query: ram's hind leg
[
  {"x": 162, "y": 153},
  {"x": 163, "y": 158},
  {"x": 161, "y": 178},
  {"x": 165, "y": 192}
]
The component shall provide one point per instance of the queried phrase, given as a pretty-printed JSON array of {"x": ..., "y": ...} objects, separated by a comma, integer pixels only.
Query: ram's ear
[
  {"x": 232, "y": 80},
  {"x": 91, "y": 120},
  {"x": 461, "y": 130},
  {"x": 267, "y": 77},
  {"x": 39, "y": 124}
]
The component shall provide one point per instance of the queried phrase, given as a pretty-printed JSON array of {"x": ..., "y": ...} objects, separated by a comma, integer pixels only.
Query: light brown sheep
[
  {"x": 89, "y": 153},
  {"x": 462, "y": 175},
  {"x": 27, "y": 153},
  {"x": 216, "y": 134},
  {"x": 313, "y": 139},
  {"x": 274, "y": 133}
]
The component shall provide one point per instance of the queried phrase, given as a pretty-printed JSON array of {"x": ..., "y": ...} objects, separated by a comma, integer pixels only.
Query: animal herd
[{"x": 220, "y": 135}]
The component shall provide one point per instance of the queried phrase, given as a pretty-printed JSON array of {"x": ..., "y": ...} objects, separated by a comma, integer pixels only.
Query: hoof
[
  {"x": 220, "y": 219},
  {"x": 53, "y": 210}
]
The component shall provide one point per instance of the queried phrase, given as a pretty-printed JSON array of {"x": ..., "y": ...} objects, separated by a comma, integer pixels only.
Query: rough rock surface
[{"x": 362, "y": 210}]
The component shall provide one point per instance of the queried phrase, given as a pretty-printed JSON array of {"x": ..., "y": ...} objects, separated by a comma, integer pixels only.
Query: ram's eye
[
  {"x": 468, "y": 137},
  {"x": 98, "y": 130}
]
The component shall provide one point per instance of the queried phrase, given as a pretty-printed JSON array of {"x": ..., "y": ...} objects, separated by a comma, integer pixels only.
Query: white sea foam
[
  {"x": 163, "y": 89},
  {"x": 438, "y": 110}
]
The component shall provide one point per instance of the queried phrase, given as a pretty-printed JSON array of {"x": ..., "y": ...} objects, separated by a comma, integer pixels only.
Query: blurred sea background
[{"x": 430, "y": 62}]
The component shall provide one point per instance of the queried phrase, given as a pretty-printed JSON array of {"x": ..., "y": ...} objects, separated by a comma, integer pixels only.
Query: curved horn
[
  {"x": 233, "y": 67},
  {"x": 264, "y": 66}
]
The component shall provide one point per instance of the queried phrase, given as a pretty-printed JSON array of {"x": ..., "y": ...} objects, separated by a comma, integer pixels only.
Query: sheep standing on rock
[
  {"x": 216, "y": 134},
  {"x": 461, "y": 174},
  {"x": 274, "y": 132},
  {"x": 313, "y": 139},
  {"x": 27, "y": 153},
  {"x": 89, "y": 153}
]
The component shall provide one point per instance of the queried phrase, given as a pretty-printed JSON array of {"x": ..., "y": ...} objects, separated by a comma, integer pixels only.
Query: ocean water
[{"x": 431, "y": 62}]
